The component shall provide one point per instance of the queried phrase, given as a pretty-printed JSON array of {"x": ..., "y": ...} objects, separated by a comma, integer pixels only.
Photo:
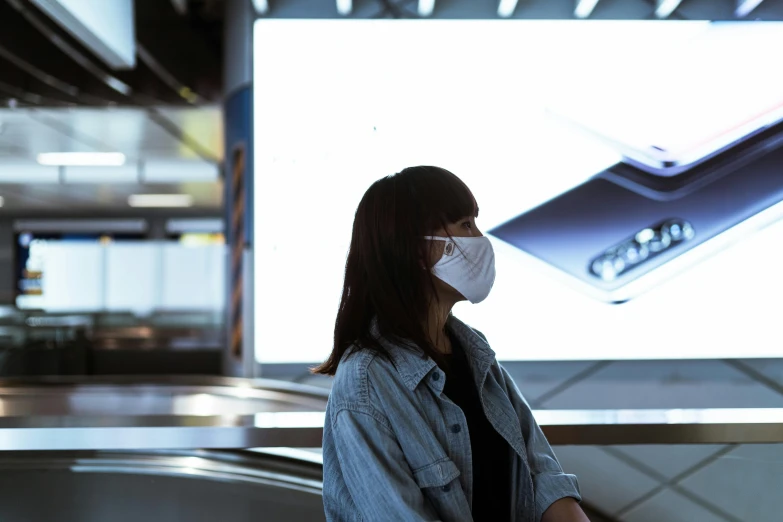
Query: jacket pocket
[
  {"x": 439, "y": 485},
  {"x": 439, "y": 474}
]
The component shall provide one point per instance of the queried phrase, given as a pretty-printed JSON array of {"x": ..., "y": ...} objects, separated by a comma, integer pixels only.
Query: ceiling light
[
  {"x": 82, "y": 159},
  {"x": 744, "y": 7},
  {"x": 506, "y": 8},
  {"x": 344, "y": 7},
  {"x": 584, "y": 8},
  {"x": 426, "y": 7},
  {"x": 664, "y": 8},
  {"x": 261, "y": 6},
  {"x": 160, "y": 200}
]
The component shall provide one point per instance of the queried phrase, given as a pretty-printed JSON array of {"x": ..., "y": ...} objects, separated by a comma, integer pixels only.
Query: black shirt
[{"x": 492, "y": 455}]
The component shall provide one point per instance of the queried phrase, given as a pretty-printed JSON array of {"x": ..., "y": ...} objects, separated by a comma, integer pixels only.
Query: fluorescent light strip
[
  {"x": 664, "y": 8},
  {"x": 203, "y": 226},
  {"x": 744, "y": 7},
  {"x": 426, "y": 7},
  {"x": 82, "y": 159},
  {"x": 87, "y": 225},
  {"x": 584, "y": 8},
  {"x": 506, "y": 8},
  {"x": 344, "y": 7},
  {"x": 160, "y": 200}
]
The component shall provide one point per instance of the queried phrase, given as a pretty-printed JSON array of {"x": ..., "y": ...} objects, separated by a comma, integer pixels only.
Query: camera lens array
[{"x": 644, "y": 245}]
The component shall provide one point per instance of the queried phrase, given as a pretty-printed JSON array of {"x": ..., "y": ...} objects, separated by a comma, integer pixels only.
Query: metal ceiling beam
[
  {"x": 664, "y": 8},
  {"x": 106, "y": 28},
  {"x": 506, "y": 8},
  {"x": 744, "y": 7},
  {"x": 69, "y": 50},
  {"x": 584, "y": 8}
]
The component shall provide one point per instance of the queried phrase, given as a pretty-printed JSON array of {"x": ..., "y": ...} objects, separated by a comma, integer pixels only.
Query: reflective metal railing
[
  {"x": 152, "y": 413},
  {"x": 195, "y": 412},
  {"x": 142, "y": 433},
  {"x": 675, "y": 426}
]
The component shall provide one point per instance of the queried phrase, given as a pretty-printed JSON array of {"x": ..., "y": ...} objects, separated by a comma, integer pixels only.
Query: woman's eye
[{"x": 467, "y": 224}]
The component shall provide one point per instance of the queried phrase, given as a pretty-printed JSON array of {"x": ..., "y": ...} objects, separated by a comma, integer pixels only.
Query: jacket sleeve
[
  {"x": 549, "y": 481},
  {"x": 378, "y": 477}
]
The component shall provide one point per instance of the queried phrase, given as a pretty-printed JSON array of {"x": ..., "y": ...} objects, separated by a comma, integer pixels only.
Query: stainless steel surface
[
  {"x": 153, "y": 395},
  {"x": 158, "y": 486},
  {"x": 693, "y": 426},
  {"x": 151, "y": 413},
  {"x": 198, "y": 412}
]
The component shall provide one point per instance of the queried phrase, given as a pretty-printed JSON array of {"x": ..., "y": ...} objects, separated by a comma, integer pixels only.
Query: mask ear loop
[
  {"x": 449, "y": 247},
  {"x": 473, "y": 264}
]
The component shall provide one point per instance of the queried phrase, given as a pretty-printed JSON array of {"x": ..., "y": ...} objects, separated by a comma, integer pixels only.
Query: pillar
[{"x": 239, "y": 355}]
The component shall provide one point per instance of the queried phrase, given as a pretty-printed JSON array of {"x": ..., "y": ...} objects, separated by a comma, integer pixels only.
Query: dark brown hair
[{"x": 384, "y": 275}]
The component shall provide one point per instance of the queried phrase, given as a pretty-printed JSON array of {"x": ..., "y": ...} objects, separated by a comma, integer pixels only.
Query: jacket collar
[{"x": 413, "y": 365}]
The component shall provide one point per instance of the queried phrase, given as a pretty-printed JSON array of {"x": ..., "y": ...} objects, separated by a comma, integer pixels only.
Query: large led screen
[{"x": 629, "y": 176}]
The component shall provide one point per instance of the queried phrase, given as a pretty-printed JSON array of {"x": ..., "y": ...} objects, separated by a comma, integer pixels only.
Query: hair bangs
[{"x": 443, "y": 197}]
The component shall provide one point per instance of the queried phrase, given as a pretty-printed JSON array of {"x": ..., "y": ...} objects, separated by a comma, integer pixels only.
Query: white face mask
[{"x": 468, "y": 265}]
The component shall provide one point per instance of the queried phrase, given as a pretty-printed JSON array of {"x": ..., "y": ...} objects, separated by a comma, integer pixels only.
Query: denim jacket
[{"x": 393, "y": 450}]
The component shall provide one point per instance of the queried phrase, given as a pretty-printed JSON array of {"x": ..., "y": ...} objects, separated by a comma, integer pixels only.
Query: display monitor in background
[
  {"x": 563, "y": 207},
  {"x": 78, "y": 256},
  {"x": 124, "y": 273}
]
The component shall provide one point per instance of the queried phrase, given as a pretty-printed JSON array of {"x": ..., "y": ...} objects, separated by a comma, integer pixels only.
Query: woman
[{"x": 422, "y": 422}]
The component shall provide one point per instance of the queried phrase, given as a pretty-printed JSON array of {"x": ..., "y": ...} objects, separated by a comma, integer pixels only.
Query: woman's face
[{"x": 465, "y": 227}]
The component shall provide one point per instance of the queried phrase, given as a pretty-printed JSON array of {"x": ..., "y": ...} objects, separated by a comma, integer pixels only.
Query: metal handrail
[
  {"x": 233, "y": 466},
  {"x": 241, "y": 413}
]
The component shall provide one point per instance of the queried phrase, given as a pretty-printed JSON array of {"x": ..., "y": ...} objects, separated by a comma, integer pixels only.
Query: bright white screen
[{"x": 339, "y": 104}]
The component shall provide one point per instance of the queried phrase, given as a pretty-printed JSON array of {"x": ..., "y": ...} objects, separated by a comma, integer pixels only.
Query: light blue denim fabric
[{"x": 392, "y": 450}]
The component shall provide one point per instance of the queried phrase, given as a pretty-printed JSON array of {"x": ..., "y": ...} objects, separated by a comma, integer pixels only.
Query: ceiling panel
[
  {"x": 188, "y": 133},
  {"x": 73, "y": 197},
  {"x": 178, "y": 60},
  {"x": 181, "y": 147},
  {"x": 204, "y": 125}
]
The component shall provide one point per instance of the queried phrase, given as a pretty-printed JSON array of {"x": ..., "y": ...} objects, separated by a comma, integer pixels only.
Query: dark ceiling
[
  {"x": 179, "y": 58},
  {"x": 179, "y": 44}
]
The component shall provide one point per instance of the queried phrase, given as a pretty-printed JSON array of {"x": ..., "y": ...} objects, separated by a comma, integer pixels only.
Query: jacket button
[
  {"x": 446, "y": 488},
  {"x": 456, "y": 428},
  {"x": 435, "y": 376}
]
